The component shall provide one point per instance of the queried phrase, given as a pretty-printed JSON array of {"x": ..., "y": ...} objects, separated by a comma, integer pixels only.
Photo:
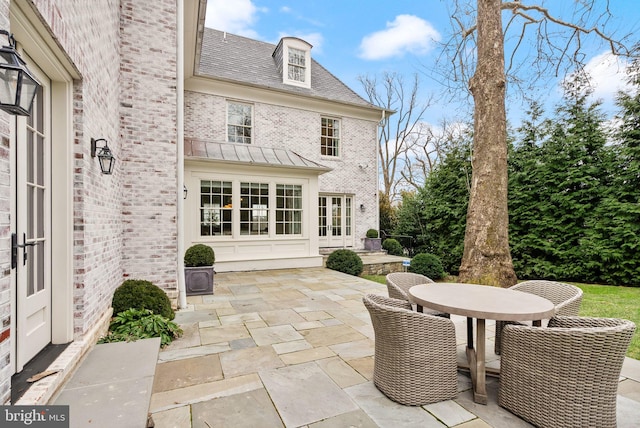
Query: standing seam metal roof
[{"x": 248, "y": 154}]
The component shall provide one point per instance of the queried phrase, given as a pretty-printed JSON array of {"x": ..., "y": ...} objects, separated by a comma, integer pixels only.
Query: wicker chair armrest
[
  {"x": 396, "y": 292},
  {"x": 389, "y": 301},
  {"x": 575, "y": 322},
  {"x": 570, "y": 307}
]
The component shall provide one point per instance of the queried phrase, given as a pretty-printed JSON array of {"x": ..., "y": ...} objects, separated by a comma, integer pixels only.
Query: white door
[
  {"x": 334, "y": 220},
  {"x": 32, "y": 236}
]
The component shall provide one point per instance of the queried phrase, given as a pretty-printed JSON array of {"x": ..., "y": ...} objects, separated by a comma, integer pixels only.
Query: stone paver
[
  {"x": 449, "y": 412},
  {"x": 295, "y": 348},
  {"x": 304, "y": 394},
  {"x": 246, "y": 410},
  {"x": 250, "y": 360},
  {"x": 187, "y": 372},
  {"x": 178, "y": 417},
  {"x": 385, "y": 413}
]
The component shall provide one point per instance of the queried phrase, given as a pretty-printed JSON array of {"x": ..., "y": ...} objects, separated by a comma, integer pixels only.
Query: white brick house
[
  {"x": 295, "y": 148},
  {"x": 147, "y": 78}
]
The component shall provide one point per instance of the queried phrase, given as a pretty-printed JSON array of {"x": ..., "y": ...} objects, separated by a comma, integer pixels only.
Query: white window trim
[
  {"x": 236, "y": 184},
  {"x": 232, "y": 101},
  {"x": 339, "y": 155},
  {"x": 292, "y": 42}
]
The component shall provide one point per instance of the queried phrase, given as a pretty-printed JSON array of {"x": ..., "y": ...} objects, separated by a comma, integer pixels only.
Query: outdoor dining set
[{"x": 558, "y": 373}]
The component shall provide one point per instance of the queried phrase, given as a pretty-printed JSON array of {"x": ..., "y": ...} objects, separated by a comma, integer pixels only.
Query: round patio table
[{"x": 481, "y": 302}]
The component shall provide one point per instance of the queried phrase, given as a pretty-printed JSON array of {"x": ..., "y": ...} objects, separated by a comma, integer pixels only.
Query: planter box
[
  {"x": 199, "y": 280},
  {"x": 373, "y": 244}
]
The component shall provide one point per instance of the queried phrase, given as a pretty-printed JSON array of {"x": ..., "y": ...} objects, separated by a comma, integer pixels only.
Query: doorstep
[{"x": 112, "y": 387}]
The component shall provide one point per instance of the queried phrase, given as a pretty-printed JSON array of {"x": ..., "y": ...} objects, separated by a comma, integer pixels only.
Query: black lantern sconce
[
  {"x": 18, "y": 87},
  {"x": 362, "y": 208},
  {"x": 184, "y": 191},
  {"x": 105, "y": 157}
]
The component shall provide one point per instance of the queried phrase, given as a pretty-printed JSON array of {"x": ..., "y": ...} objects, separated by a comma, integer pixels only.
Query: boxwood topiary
[
  {"x": 393, "y": 247},
  {"x": 199, "y": 255},
  {"x": 141, "y": 294},
  {"x": 372, "y": 233},
  {"x": 345, "y": 261},
  {"x": 428, "y": 265}
]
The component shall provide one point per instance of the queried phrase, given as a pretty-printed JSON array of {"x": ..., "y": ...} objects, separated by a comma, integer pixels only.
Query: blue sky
[{"x": 358, "y": 37}]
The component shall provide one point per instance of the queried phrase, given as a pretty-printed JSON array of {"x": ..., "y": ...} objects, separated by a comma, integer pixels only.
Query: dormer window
[
  {"x": 297, "y": 65},
  {"x": 293, "y": 59}
]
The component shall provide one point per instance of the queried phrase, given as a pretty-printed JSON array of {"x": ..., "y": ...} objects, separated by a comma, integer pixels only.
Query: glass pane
[
  {"x": 40, "y": 160},
  {"x": 31, "y": 273},
  {"x": 30, "y": 212},
  {"x": 8, "y": 84},
  {"x": 40, "y": 209},
  {"x": 30, "y": 160},
  {"x": 39, "y": 262}
]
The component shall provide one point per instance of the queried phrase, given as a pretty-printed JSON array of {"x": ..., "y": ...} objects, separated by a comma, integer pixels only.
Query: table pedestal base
[{"x": 475, "y": 357}]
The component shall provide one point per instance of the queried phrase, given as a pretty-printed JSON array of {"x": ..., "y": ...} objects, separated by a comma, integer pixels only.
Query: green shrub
[
  {"x": 393, "y": 247},
  {"x": 134, "y": 324},
  {"x": 199, "y": 255},
  {"x": 372, "y": 233},
  {"x": 345, "y": 261},
  {"x": 141, "y": 294},
  {"x": 428, "y": 265}
]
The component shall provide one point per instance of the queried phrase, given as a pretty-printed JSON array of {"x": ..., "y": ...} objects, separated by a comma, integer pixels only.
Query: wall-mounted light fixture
[
  {"x": 185, "y": 191},
  {"x": 105, "y": 157},
  {"x": 18, "y": 87},
  {"x": 361, "y": 208}
]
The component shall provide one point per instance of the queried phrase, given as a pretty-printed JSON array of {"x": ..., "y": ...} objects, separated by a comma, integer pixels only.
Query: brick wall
[
  {"x": 299, "y": 130},
  {"x": 5, "y": 242},
  {"x": 148, "y": 136}
]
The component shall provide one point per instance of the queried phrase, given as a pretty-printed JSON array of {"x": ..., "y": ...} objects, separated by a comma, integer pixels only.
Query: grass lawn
[{"x": 600, "y": 301}]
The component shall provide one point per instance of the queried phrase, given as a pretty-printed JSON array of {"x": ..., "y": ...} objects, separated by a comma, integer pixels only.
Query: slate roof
[
  {"x": 247, "y": 61},
  {"x": 248, "y": 154}
]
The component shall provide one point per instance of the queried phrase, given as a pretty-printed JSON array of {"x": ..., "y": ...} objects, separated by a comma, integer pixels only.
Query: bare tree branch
[{"x": 397, "y": 133}]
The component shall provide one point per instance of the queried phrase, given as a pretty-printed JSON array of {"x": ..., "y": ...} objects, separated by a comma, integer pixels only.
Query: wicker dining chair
[
  {"x": 566, "y": 298},
  {"x": 565, "y": 375},
  {"x": 399, "y": 283},
  {"x": 415, "y": 353}
]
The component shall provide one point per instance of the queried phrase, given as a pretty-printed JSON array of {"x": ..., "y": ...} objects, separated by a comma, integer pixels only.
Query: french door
[
  {"x": 31, "y": 240},
  {"x": 335, "y": 217}
]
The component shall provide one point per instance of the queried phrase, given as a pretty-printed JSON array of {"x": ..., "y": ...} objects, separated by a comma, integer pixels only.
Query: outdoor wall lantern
[
  {"x": 362, "y": 208},
  {"x": 18, "y": 87},
  {"x": 184, "y": 191},
  {"x": 105, "y": 157}
]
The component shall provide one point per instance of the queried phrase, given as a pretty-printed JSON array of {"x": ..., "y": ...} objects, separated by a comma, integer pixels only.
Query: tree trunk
[{"x": 486, "y": 258}]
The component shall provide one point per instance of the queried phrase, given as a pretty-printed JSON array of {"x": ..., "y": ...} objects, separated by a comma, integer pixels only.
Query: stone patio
[{"x": 294, "y": 348}]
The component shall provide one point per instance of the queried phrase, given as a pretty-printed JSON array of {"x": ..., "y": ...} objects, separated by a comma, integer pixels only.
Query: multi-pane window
[
  {"x": 330, "y": 137},
  {"x": 297, "y": 65},
  {"x": 288, "y": 209},
  {"x": 215, "y": 208},
  {"x": 254, "y": 209},
  {"x": 322, "y": 216},
  {"x": 239, "y": 123}
]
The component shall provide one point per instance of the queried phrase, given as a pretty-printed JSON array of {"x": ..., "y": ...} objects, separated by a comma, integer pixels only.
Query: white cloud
[
  {"x": 608, "y": 75},
  {"x": 406, "y": 34},
  {"x": 235, "y": 17}
]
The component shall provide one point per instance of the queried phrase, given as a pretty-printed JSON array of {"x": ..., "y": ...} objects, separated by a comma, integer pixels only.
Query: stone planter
[
  {"x": 199, "y": 280},
  {"x": 373, "y": 244}
]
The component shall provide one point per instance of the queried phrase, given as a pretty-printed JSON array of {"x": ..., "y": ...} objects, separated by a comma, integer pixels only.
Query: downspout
[
  {"x": 377, "y": 209},
  {"x": 182, "y": 291}
]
